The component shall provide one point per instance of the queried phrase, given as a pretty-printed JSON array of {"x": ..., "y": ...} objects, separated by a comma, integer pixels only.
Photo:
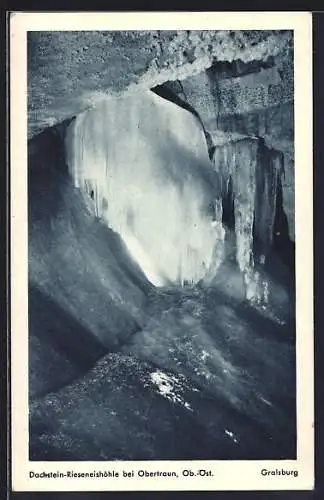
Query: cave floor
[{"x": 207, "y": 377}]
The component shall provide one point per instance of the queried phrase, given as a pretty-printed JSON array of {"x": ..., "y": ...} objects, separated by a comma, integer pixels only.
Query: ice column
[{"x": 253, "y": 171}]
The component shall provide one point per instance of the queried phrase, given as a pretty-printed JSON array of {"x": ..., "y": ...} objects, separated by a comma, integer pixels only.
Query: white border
[{"x": 228, "y": 475}]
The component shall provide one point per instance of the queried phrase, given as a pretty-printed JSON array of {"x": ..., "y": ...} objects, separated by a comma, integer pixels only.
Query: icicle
[
  {"x": 253, "y": 170},
  {"x": 238, "y": 161},
  {"x": 144, "y": 164},
  {"x": 218, "y": 252}
]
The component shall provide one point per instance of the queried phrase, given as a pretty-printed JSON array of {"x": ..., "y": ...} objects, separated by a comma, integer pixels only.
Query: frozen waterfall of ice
[{"x": 144, "y": 162}]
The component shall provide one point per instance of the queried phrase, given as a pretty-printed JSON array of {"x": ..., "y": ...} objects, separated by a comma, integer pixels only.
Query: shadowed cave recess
[{"x": 161, "y": 246}]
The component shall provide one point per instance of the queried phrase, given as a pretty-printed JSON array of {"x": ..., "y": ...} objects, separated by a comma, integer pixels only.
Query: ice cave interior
[{"x": 161, "y": 245}]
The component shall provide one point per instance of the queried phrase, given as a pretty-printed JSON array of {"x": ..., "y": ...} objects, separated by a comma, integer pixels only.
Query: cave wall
[
  {"x": 238, "y": 100},
  {"x": 262, "y": 104},
  {"x": 70, "y": 71}
]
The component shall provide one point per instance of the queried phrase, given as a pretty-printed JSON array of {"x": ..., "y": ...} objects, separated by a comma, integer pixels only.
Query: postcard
[{"x": 161, "y": 213}]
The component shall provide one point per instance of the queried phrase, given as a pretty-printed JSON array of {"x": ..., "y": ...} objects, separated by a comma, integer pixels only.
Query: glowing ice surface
[{"x": 144, "y": 162}]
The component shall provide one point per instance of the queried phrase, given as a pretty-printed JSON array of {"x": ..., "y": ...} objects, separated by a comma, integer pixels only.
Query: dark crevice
[
  {"x": 238, "y": 68},
  {"x": 282, "y": 243},
  {"x": 49, "y": 144},
  {"x": 228, "y": 217}
]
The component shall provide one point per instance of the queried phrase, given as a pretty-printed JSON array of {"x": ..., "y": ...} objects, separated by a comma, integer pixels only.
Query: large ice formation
[
  {"x": 142, "y": 163},
  {"x": 249, "y": 173}
]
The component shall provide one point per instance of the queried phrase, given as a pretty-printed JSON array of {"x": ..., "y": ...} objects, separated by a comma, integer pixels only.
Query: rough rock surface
[
  {"x": 130, "y": 409},
  {"x": 69, "y": 71}
]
